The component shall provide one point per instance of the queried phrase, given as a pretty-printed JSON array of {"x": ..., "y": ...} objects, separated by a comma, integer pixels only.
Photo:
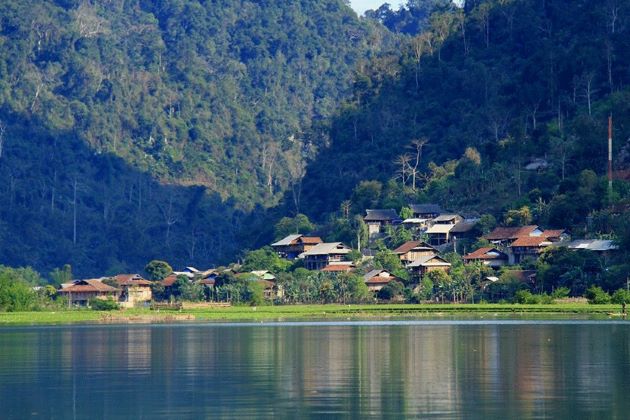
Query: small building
[
  {"x": 377, "y": 279},
  {"x": 292, "y": 246},
  {"x": 527, "y": 247},
  {"x": 507, "y": 235},
  {"x": 425, "y": 211},
  {"x": 321, "y": 255},
  {"x": 378, "y": 219},
  {"x": 464, "y": 230},
  {"x": 603, "y": 247},
  {"x": 491, "y": 257},
  {"x": 134, "y": 290},
  {"x": 439, "y": 234},
  {"x": 427, "y": 264},
  {"x": 339, "y": 267},
  {"x": 414, "y": 250},
  {"x": 448, "y": 219},
  {"x": 264, "y": 275},
  {"x": 80, "y": 292},
  {"x": 416, "y": 225}
]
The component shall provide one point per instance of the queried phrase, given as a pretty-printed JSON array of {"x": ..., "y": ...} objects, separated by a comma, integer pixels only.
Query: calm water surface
[{"x": 312, "y": 370}]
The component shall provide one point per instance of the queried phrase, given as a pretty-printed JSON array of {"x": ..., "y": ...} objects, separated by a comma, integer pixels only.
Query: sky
[{"x": 362, "y": 5}]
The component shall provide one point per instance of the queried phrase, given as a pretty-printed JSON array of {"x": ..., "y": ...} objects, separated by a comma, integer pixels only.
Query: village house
[
  {"x": 603, "y": 247},
  {"x": 322, "y": 255},
  {"x": 448, "y": 219},
  {"x": 414, "y": 250},
  {"x": 294, "y": 245},
  {"x": 506, "y": 235},
  {"x": 339, "y": 267},
  {"x": 439, "y": 234},
  {"x": 463, "y": 230},
  {"x": 377, "y": 279},
  {"x": 527, "y": 247},
  {"x": 416, "y": 225},
  {"x": 424, "y": 265},
  {"x": 80, "y": 292},
  {"x": 377, "y": 220},
  {"x": 425, "y": 211},
  {"x": 271, "y": 290},
  {"x": 134, "y": 290},
  {"x": 491, "y": 257}
]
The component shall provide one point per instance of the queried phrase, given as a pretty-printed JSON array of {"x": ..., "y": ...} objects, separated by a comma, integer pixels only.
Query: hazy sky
[{"x": 362, "y": 5}]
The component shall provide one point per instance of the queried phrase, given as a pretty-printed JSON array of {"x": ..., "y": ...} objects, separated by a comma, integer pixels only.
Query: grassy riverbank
[{"x": 311, "y": 312}]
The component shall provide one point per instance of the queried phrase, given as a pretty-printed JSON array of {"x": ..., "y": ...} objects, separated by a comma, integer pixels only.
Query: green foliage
[
  {"x": 573, "y": 269},
  {"x": 265, "y": 259},
  {"x": 290, "y": 225},
  {"x": 561, "y": 293},
  {"x": 158, "y": 270},
  {"x": 108, "y": 304},
  {"x": 519, "y": 217},
  {"x": 597, "y": 296},
  {"x": 15, "y": 294},
  {"x": 621, "y": 297},
  {"x": 392, "y": 290},
  {"x": 387, "y": 260},
  {"x": 59, "y": 277}
]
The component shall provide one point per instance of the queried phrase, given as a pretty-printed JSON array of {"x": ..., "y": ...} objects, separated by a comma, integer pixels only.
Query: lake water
[{"x": 439, "y": 369}]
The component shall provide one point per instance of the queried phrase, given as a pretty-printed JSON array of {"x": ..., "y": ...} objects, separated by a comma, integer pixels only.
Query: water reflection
[{"x": 442, "y": 370}]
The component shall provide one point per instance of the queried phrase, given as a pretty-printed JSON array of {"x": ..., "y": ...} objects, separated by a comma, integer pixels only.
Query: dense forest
[
  {"x": 184, "y": 130},
  {"x": 491, "y": 108},
  {"x": 139, "y": 129}
]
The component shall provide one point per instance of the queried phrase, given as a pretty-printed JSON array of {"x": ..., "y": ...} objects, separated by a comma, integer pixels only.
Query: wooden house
[
  {"x": 376, "y": 220},
  {"x": 439, "y": 234},
  {"x": 339, "y": 267},
  {"x": 426, "y": 264},
  {"x": 425, "y": 211},
  {"x": 506, "y": 235},
  {"x": 414, "y": 250},
  {"x": 292, "y": 246},
  {"x": 80, "y": 292},
  {"x": 448, "y": 219},
  {"x": 491, "y": 257},
  {"x": 322, "y": 255},
  {"x": 134, "y": 290},
  {"x": 377, "y": 279},
  {"x": 527, "y": 247}
]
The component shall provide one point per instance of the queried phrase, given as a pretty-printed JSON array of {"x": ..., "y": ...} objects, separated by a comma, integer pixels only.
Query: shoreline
[{"x": 197, "y": 313}]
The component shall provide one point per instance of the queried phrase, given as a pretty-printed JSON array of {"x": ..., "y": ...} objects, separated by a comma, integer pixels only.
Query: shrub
[
  {"x": 597, "y": 296},
  {"x": 104, "y": 304},
  {"x": 561, "y": 293},
  {"x": 621, "y": 296}
]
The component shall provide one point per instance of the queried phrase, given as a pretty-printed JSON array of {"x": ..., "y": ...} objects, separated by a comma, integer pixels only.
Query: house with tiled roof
[
  {"x": 322, "y": 255},
  {"x": 377, "y": 219},
  {"x": 506, "y": 235},
  {"x": 134, "y": 290},
  {"x": 375, "y": 280},
  {"x": 80, "y": 292},
  {"x": 425, "y": 211},
  {"x": 413, "y": 250},
  {"x": 292, "y": 246},
  {"x": 527, "y": 247},
  {"x": 424, "y": 265},
  {"x": 491, "y": 257}
]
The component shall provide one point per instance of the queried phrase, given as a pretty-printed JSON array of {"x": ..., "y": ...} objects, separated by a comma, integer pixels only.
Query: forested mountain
[
  {"x": 148, "y": 128},
  {"x": 467, "y": 104}
]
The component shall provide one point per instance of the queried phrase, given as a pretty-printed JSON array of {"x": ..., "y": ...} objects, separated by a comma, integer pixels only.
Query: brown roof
[
  {"x": 482, "y": 254},
  {"x": 131, "y": 280},
  {"x": 311, "y": 240},
  {"x": 553, "y": 233},
  {"x": 408, "y": 246},
  {"x": 169, "y": 281},
  {"x": 503, "y": 233},
  {"x": 530, "y": 241},
  {"x": 91, "y": 285},
  {"x": 336, "y": 268}
]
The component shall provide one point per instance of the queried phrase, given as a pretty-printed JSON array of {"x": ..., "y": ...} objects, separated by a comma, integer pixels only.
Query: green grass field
[{"x": 315, "y": 312}]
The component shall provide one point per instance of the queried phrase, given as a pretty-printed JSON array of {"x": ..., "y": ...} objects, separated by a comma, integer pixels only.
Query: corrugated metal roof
[
  {"x": 327, "y": 248},
  {"x": 600, "y": 245},
  {"x": 287, "y": 240},
  {"x": 380, "y": 215},
  {"x": 440, "y": 229},
  {"x": 430, "y": 261}
]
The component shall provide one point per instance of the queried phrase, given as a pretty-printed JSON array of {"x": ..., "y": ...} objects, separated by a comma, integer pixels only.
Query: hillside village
[{"x": 446, "y": 257}]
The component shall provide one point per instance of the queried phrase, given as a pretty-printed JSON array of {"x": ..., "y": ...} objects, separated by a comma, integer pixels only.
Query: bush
[
  {"x": 104, "y": 304},
  {"x": 561, "y": 293},
  {"x": 621, "y": 296},
  {"x": 597, "y": 296}
]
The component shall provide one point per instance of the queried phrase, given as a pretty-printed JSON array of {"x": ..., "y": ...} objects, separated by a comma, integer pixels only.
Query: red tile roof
[
  {"x": 338, "y": 268},
  {"x": 504, "y": 233},
  {"x": 311, "y": 240},
  {"x": 530, "y": 241},
  {"x": 131, "y": 280},
  {"x": 169, "y": 281},
  {"x": 408, "y": 246},
  {"x": 482, "y": 254},
  {"x": 88, "y": 286},
  {"x": 553, "y": 233}
]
